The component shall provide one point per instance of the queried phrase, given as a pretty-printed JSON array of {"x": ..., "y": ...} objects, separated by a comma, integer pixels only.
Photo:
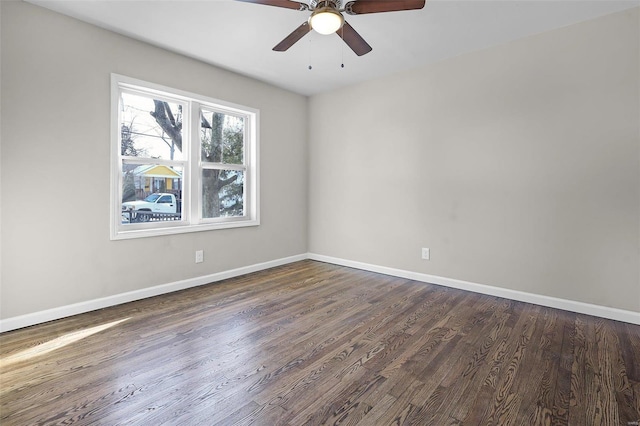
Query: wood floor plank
[
  {"x": 471, "y": 368},
  {"x": 560, "y": 402},
  {"x": 314, "y": 343},
  {"x": 491, "y": 397}
]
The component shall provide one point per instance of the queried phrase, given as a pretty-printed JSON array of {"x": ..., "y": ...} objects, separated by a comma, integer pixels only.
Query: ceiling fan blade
[
  {"x": 360, "y": 7},
  {"x": 292, "y": 38},
  {"x": 280, "y": 3},
  {"x": 353, "y": 39}
]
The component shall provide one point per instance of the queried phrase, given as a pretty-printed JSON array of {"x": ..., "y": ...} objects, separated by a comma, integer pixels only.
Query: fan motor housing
[{"x": 319, "y": 4}]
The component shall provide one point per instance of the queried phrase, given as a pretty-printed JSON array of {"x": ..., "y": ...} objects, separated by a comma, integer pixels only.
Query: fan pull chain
[
  {"x": 342, "y": 48},
  {"x": 310, "y": 67}
]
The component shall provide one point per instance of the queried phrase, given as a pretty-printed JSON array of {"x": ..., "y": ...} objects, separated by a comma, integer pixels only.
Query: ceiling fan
[{"x": 326, "y": 18}]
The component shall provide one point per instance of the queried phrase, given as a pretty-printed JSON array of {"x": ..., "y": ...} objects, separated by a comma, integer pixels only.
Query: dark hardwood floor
[{"x": 311, "y": 343}]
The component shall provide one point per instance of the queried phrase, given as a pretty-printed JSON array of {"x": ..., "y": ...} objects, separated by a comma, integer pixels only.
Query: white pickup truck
[{"x": 142, "y": 210}]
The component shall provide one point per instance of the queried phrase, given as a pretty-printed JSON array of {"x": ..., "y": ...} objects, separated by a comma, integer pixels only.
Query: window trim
[{"x": 193, "y": 165}]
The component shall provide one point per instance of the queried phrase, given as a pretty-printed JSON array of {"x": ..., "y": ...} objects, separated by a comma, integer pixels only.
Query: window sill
[{"x": 180, "y": 229}]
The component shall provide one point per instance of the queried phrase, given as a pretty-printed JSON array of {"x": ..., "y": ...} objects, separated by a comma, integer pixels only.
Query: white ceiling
[{"x": 239, "y": 36}]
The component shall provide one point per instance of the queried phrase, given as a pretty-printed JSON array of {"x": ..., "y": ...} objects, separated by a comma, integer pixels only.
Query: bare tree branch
[
  {"x": 222, "y": 183},
  {"x": 205, "y": 122},
  {"x": 164, "y": 117}
]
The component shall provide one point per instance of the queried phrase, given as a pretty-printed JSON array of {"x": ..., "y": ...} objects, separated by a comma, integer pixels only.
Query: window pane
[
  {"x": 151, "y": 193},
  {"x": 222, "y": 137},
  {"x": 150, "y": 128},
  {"x": 222, "y": 193}
]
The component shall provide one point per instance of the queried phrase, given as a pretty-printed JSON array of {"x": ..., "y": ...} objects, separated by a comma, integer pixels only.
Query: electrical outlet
[
  {"x": 426, "y": 253},
  {"x": 199, "y": 256}
]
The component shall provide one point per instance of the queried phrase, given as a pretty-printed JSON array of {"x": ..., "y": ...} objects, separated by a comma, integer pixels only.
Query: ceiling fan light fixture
[{"x": 326, "y": 20}]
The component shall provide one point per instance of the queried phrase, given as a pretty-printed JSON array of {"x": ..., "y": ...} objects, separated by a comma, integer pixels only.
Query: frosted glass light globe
[{"x": 326, "y": 21}]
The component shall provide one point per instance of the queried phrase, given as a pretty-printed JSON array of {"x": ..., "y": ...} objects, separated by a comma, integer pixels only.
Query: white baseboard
[
  {"x": 551, "y": 302},
  {"x": 104, "y": 302},
  {"x": 92, "y": 305}
]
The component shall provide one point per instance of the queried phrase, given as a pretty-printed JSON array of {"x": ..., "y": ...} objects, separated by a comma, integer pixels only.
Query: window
[{"x": 180, "y": 162}]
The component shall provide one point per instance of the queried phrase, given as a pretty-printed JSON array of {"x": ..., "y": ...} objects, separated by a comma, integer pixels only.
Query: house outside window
[{"x": 181, "y": 162}]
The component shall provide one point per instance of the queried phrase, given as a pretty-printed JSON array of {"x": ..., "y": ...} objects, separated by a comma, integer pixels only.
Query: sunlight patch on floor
[{"x": 54, "y": 344}]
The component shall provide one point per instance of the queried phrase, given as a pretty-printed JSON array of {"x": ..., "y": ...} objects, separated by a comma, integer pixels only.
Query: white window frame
[{"x": 192, "y": 220}]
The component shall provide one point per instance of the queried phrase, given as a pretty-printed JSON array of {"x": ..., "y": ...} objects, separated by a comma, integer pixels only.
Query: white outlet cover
[{"x": 426, "y": 254}]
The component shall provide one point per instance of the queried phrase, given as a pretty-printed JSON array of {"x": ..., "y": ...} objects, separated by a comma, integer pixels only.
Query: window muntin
[{"x": 200, "y": 150}]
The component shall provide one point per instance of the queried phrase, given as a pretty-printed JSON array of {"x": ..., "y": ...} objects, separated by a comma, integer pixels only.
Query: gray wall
[
  {"x": 56, "y": 177},
  {"x": 518, "y": 166}
]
